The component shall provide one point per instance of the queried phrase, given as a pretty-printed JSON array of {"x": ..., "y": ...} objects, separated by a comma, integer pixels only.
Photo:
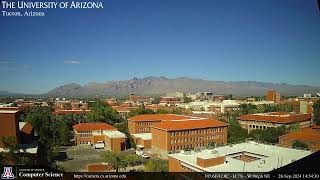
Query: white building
[{"x": 243, "y": 157}]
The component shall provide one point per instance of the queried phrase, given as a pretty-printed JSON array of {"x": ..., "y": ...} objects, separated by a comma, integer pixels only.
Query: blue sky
[{"x": 230, "y": 40}]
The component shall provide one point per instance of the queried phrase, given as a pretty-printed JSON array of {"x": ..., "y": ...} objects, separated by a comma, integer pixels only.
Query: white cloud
[{"x": 72, "y": 62}]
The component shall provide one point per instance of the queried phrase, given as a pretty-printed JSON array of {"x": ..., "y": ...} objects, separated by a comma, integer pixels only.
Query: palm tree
[{"x": 115, "y": 160}]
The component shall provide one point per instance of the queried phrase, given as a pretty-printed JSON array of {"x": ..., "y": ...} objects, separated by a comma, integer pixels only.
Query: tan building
[
  {"x": 273, "y": 119},
  {"x": 99, "y": 135},
  {"x": 310, "y": 136},
  {"x": 272, "y": 95},
  {"x": 173, "y": 136}
]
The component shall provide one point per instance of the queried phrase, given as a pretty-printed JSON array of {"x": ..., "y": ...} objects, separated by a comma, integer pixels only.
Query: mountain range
[{"x": 162, "y": 85}]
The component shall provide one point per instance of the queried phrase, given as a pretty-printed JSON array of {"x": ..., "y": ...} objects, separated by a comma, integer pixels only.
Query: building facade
[
  {"x": 173, "y": 136},
  {"x": 273, "y": 119},
  {"x": 9, "y": 125},
  {"x": 309, "y": 136},
  {"x": 99, "y": 133},
  {"x": 272, "y": 95},
  {"x": 142, "y": 123}
]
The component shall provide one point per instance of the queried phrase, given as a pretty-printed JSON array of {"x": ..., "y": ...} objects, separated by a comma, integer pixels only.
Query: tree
[
  {"x": 299, "y": 144},
  {"x": 64, "y": 134},
  {"x": 134, "y": 159},
  {"x": 102, "y": 112},
  {"x": 294, "y": 127},
  {"x": 186, "y": 99},
  {"x": 13, "y": 154},
  {"x": 269, "y": 135},
  {"x": 158, "y": 165},
  {"x": 14, "y": 104},
  {"x": 116, "y": 161},
  {"x": 156, "y": 100},
  {"x": 248, "y": 109},
  {"x": 140, "y": 111},
  {"x": 316, "y": 112},
  {"x": 236, "y": 133}
]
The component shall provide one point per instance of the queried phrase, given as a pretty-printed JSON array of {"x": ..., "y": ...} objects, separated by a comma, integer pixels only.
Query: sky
[{"x": 226, "y": 40}]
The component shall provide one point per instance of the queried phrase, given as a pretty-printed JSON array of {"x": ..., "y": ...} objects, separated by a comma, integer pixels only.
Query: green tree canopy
[
  {"x": 236, "y": 133},
  {"x": 117, "y": 161},
  {"x": 299, "y": 144},
  {"x": 102, "y": 112},
  {"x": 157, "y": 165}
]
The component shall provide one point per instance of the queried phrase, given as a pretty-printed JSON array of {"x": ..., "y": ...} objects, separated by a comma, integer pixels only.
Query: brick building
[
  {"x": 272, "y": 95},
  {"x": 142, "y": 123},
  {"x": 99, "y": 133},
  {"x": 173, "y": 136},
  {"x": 273, "y": 119},
  {"x": 9, "y": 120},
  {"x": 310, "y": 136}
]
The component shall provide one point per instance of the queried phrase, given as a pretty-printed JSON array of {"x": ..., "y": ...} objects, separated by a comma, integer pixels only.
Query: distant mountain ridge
[{"x": 162, "y": 85}]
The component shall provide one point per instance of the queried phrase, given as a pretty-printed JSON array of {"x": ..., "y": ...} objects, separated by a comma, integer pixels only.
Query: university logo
[{"x": 7, "y": 173}]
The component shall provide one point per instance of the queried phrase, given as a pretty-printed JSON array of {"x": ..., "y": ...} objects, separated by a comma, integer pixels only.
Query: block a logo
[{"x": 7, "y": 173}]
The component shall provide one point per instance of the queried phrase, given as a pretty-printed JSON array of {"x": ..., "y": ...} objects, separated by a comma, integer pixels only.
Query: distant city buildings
[{"x": 273, "y": 119}]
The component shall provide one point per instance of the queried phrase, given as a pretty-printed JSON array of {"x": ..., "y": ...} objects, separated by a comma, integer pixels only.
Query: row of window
[
  {"x": 257, "y": 127},
  {"x": 199, "y": 131},
  {"x": 188, "y": 146},
  {"x": 86, "y": 132},
  {"x": 85, "y": 135},
  {"x": 146, "y": 123},
  {"x": 193, "y": 139},
  {"x": 143, "y": 129}
]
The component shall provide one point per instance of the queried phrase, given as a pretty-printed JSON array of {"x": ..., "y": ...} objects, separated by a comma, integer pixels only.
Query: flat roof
[
  {"x": 270, "y": 157},
  {"x": 276, "y": 117},
  {"x": 144, "y": 136},
  {"x": 159, "y": 117},
  {"x": 8, "y": 111},
  {"x": 114, "y": 134},
  {"x": 189, "y": 124}
]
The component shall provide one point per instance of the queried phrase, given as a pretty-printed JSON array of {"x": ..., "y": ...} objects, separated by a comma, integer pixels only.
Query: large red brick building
[
  {"x": 310, "y": 136},
  {"x": 142, "y": 123},
  {"x": 9, "y": 125},
  {"x": 273, "y": 119},
  {"x": 172, "y": 136},
  {"x": 102, "y": 133}
]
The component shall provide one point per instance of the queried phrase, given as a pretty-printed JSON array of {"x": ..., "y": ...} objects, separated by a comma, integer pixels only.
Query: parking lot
[{"x": 77, "y": 157}]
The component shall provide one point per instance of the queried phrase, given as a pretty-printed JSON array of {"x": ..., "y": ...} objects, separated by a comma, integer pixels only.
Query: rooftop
[
  {"x": 114, "y": 134},
  {"x": 93, "y": 127},
  {"x": 189, "y": 124},
  {"x": 310, "y": 134},
  {"x": 276, "y": 117},
  {"x": 144, "y": 136},
  {"x": 266, "y": 158},
  {"x": 8, "y": 111},
  {"x": 158, "y": 117},
  {"x": 25, "y": 127}
]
